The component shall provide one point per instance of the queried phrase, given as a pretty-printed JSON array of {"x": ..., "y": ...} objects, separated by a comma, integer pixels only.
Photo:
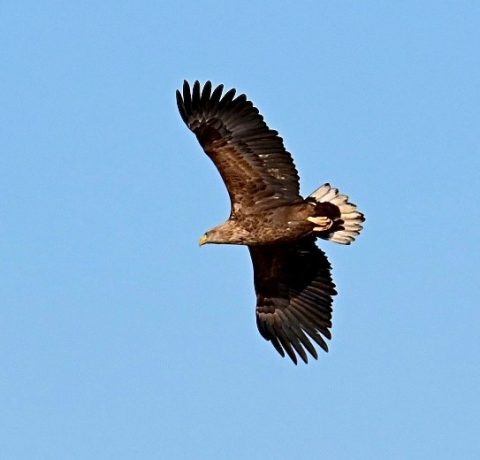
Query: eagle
[{"x": 292, "y": 276}]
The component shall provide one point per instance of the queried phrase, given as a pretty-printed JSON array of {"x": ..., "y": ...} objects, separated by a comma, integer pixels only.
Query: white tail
[{"x": 348, "y": 226}]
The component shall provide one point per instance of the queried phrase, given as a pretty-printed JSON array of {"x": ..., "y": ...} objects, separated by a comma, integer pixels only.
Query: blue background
[{"x": 121, "y": 339}]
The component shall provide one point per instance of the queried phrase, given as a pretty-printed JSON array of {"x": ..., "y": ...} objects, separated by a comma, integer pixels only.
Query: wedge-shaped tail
[{"x": 348, "y": 225}]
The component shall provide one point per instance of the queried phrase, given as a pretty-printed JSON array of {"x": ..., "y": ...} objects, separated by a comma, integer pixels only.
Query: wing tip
[
  {"x": 193, "y": 98},
  {"x": 181, "y": 106}
]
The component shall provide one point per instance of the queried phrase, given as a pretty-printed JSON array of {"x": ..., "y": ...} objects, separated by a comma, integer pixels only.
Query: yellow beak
[{"x": 203, "y": 240}]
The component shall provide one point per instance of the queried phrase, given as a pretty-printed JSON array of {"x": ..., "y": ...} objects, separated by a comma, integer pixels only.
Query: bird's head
[
  {"x": 203, "y": 239},
  {"x": 227, "y": 233},
  {"x": 212, "y": 236}
]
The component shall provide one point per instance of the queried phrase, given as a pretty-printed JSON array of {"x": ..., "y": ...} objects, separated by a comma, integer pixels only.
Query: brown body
[
  {"x": 292, "y": 278},
  {"x": 282, "y": 224}
]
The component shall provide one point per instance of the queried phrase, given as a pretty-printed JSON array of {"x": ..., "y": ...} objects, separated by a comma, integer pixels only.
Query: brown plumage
[{"x": 292, "y": 276}]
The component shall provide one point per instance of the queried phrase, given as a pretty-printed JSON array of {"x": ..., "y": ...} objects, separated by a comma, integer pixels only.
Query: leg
[{"x": 323, "y": 223}]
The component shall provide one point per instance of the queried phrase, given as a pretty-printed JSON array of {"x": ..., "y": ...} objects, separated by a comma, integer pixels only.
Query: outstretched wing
[
  {"x": 251, "y": 158},
  {"x": 294, "y": 296}
]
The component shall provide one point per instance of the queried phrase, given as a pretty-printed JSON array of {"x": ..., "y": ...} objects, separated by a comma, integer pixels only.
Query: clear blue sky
[{"x": 121, "y": 339}]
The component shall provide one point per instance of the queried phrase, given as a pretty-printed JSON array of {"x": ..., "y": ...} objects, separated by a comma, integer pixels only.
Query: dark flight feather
[
  {"x": 287, "y": 300},
  {"x": 250, "y": 157}
]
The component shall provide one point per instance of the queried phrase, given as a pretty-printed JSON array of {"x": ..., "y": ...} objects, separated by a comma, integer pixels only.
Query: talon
[{"x": 323, "y": 223}]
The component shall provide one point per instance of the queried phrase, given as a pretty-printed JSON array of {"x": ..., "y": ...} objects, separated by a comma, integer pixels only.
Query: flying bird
[{"x": 292, "y": 276}]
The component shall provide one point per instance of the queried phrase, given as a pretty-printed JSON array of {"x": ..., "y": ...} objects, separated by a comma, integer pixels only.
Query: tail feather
[{"x": 346, "y": 227}]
